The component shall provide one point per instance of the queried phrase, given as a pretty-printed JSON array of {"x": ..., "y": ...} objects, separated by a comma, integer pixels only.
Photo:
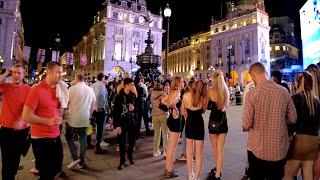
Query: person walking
[
  {"x": 268, "y": 108},
  {"x": 82, "y": 101},
  {"x": 193, "y": 105},
  {"x": 218, "y": 97},
  {"x": 100, "y": 91},
  {"x": 14, "y": 130},
  {"x": 42, "y": 111}
]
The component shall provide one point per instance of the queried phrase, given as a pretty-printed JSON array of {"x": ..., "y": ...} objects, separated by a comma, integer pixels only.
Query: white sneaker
[
  {"x": 80, "y": 166},
  {"x": 104, "y": 144},
  {"x": 155, "y": 154},
  {"x": 73, "y": 163}
]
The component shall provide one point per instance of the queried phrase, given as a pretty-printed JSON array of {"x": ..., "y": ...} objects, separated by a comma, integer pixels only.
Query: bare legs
[
  {"x": 173, "y": 142},
  {"x": 198, "y": 154},
  {"x": 316, "y": 168},
  {"x": 292, "y": 167},
  {"x": 217, "y": 142}
]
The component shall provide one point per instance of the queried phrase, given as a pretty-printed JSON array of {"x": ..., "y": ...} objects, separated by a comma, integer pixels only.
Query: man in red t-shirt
[
  {"x": 13, "y": 130},
  {"x": 42, "y": 111}
]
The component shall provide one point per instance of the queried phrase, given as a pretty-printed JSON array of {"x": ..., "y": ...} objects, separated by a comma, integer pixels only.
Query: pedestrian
[
  {"x": 183, "y": 156},
  {"x": 304, "y": 146},
  {"x": 173, "y": 102},
  {"x": 194, "y": 104},
  {"x": 123, "y": 121},
  {"x": 218, "y": 97},
  {"x": 159, "y": 119},
  {"x": 14, "y": 130},
  {"x": 315, "y": 72},
  {"x": 267, "y": 110},
  {"x": 100, "y": 91},
  {"x": 42, "y": 111},
  {"x": 141, "y": 109},
  {"x": 82, "y": 101}
]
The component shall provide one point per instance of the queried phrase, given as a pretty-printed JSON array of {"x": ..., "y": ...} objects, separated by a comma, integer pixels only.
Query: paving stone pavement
[{"x": 104, "y": 167}]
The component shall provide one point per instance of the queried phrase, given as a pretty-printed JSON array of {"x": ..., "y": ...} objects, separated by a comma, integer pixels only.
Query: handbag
[
  {"x": 215, "y": 125},
  {"x": 163, "y": 107}
]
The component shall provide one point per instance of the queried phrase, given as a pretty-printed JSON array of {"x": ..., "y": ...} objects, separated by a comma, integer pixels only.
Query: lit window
[
  {"x": 284, "y": 48},
  {"x": 270, "y": 48},
  {"x": 117, "y": 50},
  {"x": 277, "y": 48}
]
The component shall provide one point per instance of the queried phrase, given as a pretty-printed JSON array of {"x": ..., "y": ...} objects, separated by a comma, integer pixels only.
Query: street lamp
[
  {"x": 211, "y": 68},
  {"x": 167, "y": 14},
  {"x": 1, "y": 62},
  {"x": 229, "y": 60},
  {"x": 57, "y": 40}
]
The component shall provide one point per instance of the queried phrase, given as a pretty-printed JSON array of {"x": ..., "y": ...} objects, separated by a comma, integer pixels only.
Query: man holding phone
[{"x": 13, "y": 130}]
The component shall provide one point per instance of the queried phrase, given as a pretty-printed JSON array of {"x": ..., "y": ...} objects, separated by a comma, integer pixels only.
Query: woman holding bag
[{"x": 218, "y": 97}]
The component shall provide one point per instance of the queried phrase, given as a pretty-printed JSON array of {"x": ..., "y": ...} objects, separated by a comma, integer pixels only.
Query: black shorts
[{"x": 174, "y": 125}]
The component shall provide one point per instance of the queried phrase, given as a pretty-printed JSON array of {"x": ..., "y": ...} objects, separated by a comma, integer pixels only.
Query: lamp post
[
  {"x": 167, "y": 14},
  {"x": 229, "y": 60},
  {"x": 57, "y": 40}
]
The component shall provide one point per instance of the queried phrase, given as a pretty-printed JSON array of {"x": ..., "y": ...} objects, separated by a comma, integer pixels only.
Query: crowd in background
[{"x": 282, "y": 120}]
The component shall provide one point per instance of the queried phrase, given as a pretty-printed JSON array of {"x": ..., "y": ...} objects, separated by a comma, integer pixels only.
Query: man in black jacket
[{"x": 123, "y": 122}]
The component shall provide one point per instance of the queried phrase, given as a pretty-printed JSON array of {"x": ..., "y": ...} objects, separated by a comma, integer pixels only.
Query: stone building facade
[
  {"x": 11, "y": 31},
  {"x": 116, "y": 38}
]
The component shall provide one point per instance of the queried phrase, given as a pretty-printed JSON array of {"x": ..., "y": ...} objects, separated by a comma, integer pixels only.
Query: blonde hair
[
  {"x": 305, "y": 87},
  {"x": 198, "y": 92},
  {"x": 220, "y": 86},
  {"x": 316, "y": 83},
  {"x": 175, "y": 83}
]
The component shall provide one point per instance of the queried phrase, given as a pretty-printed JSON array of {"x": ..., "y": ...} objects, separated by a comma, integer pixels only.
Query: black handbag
[
  {"x": 215, "y": 125},
  {"x": 163, "y": 107}
]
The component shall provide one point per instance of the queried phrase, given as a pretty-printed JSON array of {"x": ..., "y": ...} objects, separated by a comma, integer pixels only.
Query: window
[
  {"x": 155, "y": 24},
  {"x": 0, "y": 21},
  {"x": 284, "y": 48},
  {"x": 1, "y": 4},
  {"x": 135, "y": 46},
  {"x": 135, "y": 34},
  {"x": 277, "y": 48},
  {"x": 115, "y": 15},
  {"x": 117, "y": 50},
  {"x": 136, "y": 19}
]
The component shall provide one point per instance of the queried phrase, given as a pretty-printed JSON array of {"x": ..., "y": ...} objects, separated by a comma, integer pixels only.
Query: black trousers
[
  {"x": 50, "y": 157},
  {"x": 260, "y": 169},
  {"x": 141, "y": 111},
  {"x": 12, "y": 143},
  {"x": 100, "y": 120},
  {"x": 122, "y": 140}
]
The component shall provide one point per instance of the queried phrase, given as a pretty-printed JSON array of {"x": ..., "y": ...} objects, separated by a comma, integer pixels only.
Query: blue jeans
[{"x": 79, "y": 134}]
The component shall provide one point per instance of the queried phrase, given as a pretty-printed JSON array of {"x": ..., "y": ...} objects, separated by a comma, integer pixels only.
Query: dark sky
[{"x": 43, "y": 19}]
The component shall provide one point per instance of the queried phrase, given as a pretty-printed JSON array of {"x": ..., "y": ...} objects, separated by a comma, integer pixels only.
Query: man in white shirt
[{"x": 82, "y": 101}]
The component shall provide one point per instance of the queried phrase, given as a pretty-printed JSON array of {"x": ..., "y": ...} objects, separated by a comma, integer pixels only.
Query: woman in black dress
[
  {"x": 193, "y": 105},
  {"x": 173, "y": 101},
  {"x": 218, "y": 97}
]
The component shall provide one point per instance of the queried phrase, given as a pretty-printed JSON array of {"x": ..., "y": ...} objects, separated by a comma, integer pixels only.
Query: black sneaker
[{"x": 171, "y": 174}]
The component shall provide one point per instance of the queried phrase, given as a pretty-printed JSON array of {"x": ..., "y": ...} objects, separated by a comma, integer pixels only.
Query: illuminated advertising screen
[{"x": 310, "y": 32}]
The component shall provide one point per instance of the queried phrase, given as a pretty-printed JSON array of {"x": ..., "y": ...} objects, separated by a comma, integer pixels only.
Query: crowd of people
[{"x": 282, "y": 122}]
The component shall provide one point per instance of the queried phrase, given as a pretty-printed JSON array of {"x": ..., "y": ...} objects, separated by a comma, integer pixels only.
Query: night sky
[{"x": 43, "y": 19}]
